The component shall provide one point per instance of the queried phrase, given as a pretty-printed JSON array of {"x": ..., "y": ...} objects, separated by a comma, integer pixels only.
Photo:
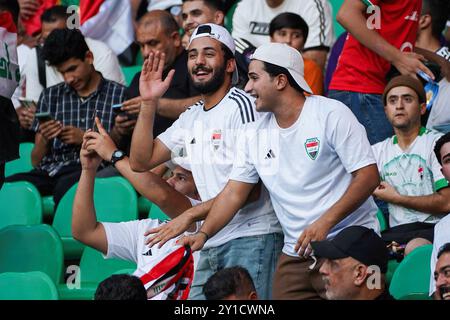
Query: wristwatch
[{"x": 117, "y": 156}]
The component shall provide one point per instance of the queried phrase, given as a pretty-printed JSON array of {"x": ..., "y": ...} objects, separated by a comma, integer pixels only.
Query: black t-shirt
[{"x": 180, "y": 88}]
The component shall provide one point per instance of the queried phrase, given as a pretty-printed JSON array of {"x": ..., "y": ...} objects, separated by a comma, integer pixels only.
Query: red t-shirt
[{"x": 359, "y": 69}]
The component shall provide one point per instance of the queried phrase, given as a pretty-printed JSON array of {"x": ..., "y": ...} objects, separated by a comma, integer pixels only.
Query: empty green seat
[
  {"x": 115, "y": 201},
  {"x": 20, "y": 203},
  {"x": 412, "y": 276},
  {"x": 23, "y": 164},
  {"x": 34, "y": 285},
  {"x": 31, "y": 248},
  {"x": 93, "y": 269}
]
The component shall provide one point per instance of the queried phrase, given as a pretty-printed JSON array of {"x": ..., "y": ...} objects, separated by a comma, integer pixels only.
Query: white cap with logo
[
  {"x": 282, "y": 55},
  {"x": 220, "y": 34}
]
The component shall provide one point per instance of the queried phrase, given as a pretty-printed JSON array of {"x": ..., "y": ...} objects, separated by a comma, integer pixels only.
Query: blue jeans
[
  {"x": 258, "y": 254},
  {"x": 369, "y": 110}
]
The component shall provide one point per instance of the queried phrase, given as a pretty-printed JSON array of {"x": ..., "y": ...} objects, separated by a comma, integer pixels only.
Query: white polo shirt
[
  {"x": 207, "y": 140},
  {"x": 412, "y": 172},
  {"x": 307, "y": 167}
]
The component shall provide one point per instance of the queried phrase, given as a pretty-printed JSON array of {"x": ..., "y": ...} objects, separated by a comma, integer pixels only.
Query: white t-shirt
[
  {"x": 105, "y": 62},
  {"x": 252, "y": 18},
  {"x": 441, "y": 237},
  {"x": 22, "y": 53},
  {"x": 126, "y": 241},
  {"x": 307, "y": 167},
  {"x": 207, "y": 140},
  {"x": 413, "y": 172}
]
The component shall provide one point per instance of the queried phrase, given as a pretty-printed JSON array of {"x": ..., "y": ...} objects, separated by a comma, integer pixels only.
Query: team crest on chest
[
  {"x": 216, "y": 139},
  {"x": 312, "y": 147}
]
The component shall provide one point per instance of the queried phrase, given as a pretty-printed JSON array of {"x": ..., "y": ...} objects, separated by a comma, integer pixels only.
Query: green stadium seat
[
  {"x": 228, "y": 23},
  {"x": 31, "y": 248},
  {"x": 157, "y": 213},
  {"x": 23, "y": 164},
  {"x": 115, "y": 201},
  {"x": 335, "y": 5},
  {"x": 382, "y": 220},
  {"x": 412, "y": 276},
  {"x": 130, "y": 72},
  {"x": 144, "y": 206},
  {"x": 93, "y": 269},
  {"x": 48, "y": 206},
  {"x": 20, "y": 204},
  {"x": 34, "y": 285}
]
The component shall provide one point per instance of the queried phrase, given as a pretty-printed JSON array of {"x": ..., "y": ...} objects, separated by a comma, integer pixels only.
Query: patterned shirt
[{"x": 64, "y": 105}]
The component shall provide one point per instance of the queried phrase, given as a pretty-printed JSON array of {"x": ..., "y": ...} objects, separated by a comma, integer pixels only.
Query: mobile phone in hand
[
  {"x": 43, "y": 117},
  {"x": 27, "y": 103}
]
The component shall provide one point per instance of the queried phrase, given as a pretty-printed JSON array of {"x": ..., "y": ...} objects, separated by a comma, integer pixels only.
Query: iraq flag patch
[{"x": 312, "y": 148}]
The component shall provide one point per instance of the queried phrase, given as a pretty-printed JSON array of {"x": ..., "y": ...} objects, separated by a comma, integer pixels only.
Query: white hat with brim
[
  {"x": 282, "y": 55},
  {"x": 220, "y": 34}
]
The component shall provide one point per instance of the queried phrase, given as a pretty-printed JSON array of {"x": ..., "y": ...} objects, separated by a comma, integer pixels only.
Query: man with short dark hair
[
  {"x": 442, "y": 273},
  {"x": 355, "y": 265},
  {"x": 233, "y": 283},
  {"x": 121, "y": 287},
  {"x": 70, "y": 109},
  {"x": 441, "y": 230}
]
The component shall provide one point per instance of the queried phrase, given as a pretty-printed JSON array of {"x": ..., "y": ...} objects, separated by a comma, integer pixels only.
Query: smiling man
[
  {"x": 315, "y": 160},
  {"x": 412, "y": 182},
  {"x": 208, "y": 133},
  {"x": 442, "y": 273}
]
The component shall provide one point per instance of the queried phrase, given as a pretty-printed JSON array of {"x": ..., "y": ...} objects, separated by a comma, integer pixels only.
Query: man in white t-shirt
[
  {"x": 314, "y": 158},
  {"x": 207, "y": 133},
  {"x": 128, "y": 240},
  {"x": 412, "y": 182},
  {"x": 442, "y": 228},
  {"x": 252, "y": 18}
]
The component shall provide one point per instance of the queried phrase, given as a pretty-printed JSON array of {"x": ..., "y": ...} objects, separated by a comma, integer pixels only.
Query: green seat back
[
  {"x": 157, "y": 213},
  {"x": 382, "y": 220},
  {"x": 228, "y": 23},
  {"x": 31, "y": 248},
  {"x": 20, "y": 203},
  {"x": 23, "y": 164},
  {"x": 34, "y": 285},
  {"x": 130, "y": 72},
  {"x": 94, "y": 268},
  {"x": 335, "y": 5},
  {"x": 48, "y": 206},
  {"x": 115, "y": 201},
  {"x": 412, "y": 276},
  {"x": 144, "y": 206}
]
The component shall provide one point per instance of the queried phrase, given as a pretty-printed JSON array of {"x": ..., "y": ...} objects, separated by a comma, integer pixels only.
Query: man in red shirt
[{"x": 381, "y": 34}]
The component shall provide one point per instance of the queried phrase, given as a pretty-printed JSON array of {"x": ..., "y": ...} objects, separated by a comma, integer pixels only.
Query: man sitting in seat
[{"x": 412, "y": 182}]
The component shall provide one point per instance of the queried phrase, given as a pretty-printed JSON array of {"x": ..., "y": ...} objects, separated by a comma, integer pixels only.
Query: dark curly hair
[
  {"x": 438, "y": 146},
  {"x": 64, "y": 44},
  {"x": 121, "y": 287}
]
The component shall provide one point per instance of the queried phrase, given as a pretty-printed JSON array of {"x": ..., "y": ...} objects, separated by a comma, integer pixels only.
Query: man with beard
[
  {"x": 206, "y": 136},
  {"x": 442, "y": 273}
]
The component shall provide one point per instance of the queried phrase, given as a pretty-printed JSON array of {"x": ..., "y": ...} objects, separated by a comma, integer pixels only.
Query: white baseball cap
[
  {"x": 220, "y": 34},
  {"x": 282, "y": 55}
]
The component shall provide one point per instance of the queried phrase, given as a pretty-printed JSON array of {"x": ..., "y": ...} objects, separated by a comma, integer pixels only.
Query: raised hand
[
  {"x": 90, "y": 160},
  {"x": 151, "y": 84},
  {"x": 100, "y": 142}
]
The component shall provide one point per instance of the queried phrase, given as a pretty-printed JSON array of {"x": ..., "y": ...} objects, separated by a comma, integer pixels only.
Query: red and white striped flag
[
  {"x": 9, "y": 67},
  {"x": 109, "y": 21}
]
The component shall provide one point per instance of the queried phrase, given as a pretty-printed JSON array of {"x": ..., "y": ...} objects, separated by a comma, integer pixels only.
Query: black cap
[{"x": 358, "y": 242}]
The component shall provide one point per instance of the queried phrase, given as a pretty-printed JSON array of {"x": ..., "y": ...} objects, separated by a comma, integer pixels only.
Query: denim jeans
[
  {"x": 369, "y": 110},
  {"x": 258, "y": 254}
]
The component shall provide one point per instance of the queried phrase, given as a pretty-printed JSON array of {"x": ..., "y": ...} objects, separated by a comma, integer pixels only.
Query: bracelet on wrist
[{"x": 206, "y": 235}]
